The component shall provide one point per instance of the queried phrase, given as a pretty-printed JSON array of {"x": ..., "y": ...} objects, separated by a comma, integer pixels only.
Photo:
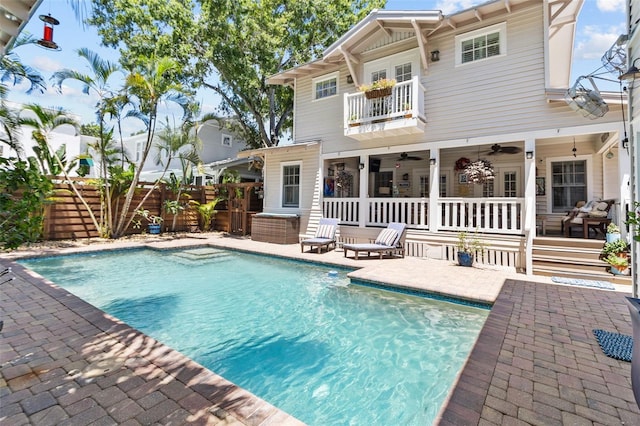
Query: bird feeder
[{"x": 47, "y": 39}]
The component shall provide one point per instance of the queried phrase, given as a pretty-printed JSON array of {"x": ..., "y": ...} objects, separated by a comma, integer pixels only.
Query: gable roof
[{"x": 386, "y": 27}]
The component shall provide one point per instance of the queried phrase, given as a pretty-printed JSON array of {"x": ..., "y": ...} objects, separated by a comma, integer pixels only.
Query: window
[
  {"x": 481, "y": 44},
  {"x": 510, "y": 184},
  {"x": 424, "y": 185},
  {"x": 443, "y": 185},
  {"x": 325, "y": 86},
  {"x": 403, "y": 72},
  {"x": 568, "y": 184},
  {"x": 378, "y": 75},
  {"x": 226, "y": 140},
  {"x": 487, "y": 189},
  {"x": 291, "y": 185}
]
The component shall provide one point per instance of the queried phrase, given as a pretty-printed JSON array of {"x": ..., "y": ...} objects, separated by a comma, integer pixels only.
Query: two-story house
[{"x": 488, "y": 83}]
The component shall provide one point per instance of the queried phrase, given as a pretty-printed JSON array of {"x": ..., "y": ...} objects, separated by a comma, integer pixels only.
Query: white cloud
[
  {"x": 611, "y": 5},
  {"x": 46, "y": 64},
  {"x": 447, "y": 7},
  {"x": 594, "y": 41}
]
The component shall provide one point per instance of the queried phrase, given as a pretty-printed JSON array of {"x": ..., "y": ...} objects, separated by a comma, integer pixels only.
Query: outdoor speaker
[{"x": 374, "y": 165}]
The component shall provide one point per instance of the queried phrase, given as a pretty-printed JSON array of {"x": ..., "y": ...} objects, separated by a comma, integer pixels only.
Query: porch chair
[
  {"x": 325, "y": 235},
  {"x": 389, "y": 241},
  {"x": 595, "y": 212}
]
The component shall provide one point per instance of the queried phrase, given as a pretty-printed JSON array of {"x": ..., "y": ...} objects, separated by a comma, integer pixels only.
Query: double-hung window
[
  {"x": 403, "y": 72},
  {"x": 325, "y": 86},
  {"x": 481, "y": 44},
  {"x": 568, "y": 184},
  {"x": 291, "y": 185}
]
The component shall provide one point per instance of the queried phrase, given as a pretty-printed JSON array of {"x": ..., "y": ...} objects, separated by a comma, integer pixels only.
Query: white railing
[
  {"x": 345, "y": 209},
  {"x": 488, "y": 215},
  {"x": 405, "y": 101},
  {"x": 412, "y": 211}
]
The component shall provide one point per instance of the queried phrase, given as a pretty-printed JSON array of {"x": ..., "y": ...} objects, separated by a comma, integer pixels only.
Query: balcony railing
[
  {"x": 487, "y": 215},
  {"x": 405, "y": 102}
]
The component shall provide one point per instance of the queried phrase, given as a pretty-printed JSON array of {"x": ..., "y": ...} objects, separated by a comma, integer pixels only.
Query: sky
[{"x": 599, "y": 24}]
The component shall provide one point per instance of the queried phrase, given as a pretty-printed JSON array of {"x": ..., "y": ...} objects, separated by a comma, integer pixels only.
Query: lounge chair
[
  {"x": 325, "y": 235},
  {"x": 389, "y": 241}
]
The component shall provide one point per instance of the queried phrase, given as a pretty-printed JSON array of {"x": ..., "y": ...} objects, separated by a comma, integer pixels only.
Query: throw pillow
[
  {"x": 324, "y": 231},
  {"x": 387, "y": 237}
]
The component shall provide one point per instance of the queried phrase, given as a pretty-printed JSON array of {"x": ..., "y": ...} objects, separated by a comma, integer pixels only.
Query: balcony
[{"x": 400, "y": 113}]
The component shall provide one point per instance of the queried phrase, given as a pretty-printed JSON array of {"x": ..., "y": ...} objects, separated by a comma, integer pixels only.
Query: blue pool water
[{"x": 297, "y": 335}]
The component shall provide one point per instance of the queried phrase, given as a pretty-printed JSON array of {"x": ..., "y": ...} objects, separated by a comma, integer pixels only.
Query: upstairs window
[
  {"x": 325, "y": 86},
  {"x": 403, "y": 72},
  {"x": 378, "y": 75},
  {"x": 481, "y": 44}
]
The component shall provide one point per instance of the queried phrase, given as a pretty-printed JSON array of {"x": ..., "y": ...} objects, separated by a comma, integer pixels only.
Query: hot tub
[{"x": 275, "y": 228}]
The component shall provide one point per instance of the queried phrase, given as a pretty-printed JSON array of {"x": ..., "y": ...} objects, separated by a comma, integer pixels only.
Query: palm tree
[
  {"x": 183, "y": 144},
  {"x": 149, "y": 85},
  {"x": 98, "y": 83},
  {"x": 44, "y": 121}
]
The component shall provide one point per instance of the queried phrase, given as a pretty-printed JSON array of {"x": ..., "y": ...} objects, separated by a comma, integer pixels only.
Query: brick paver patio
[{"x": 536, "y": 361}]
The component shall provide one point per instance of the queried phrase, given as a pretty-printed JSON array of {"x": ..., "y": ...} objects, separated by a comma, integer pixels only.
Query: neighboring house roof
[
  {"x": 14, "y": 15},
  {"x": 398, "y": 26}
]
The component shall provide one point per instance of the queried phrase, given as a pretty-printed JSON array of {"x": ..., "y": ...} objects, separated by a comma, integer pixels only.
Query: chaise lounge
[
  {"x": 389, "y": 241},
  {"x": 325, "y": 235}
]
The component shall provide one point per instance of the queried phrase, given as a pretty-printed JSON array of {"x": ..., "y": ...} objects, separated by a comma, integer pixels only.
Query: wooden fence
[{"x": 68, "y": 218}]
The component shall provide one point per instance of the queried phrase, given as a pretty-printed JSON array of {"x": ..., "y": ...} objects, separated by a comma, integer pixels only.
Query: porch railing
[
  {"x": 487, "y": 215},
  {"x": 404, "y": 101}
]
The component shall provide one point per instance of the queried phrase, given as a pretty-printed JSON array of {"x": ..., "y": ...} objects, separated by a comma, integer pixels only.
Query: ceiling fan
[
  {"x": 498, "y": 149},
  {"x": 404, "y": 156}
]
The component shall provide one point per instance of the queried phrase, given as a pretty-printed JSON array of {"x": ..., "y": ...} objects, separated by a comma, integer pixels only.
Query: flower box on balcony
[{"x": 378, "y": 93}]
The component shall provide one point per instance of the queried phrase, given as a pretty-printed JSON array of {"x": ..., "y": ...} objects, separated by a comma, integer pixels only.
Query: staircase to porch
[{"x": 572, "y": 258}]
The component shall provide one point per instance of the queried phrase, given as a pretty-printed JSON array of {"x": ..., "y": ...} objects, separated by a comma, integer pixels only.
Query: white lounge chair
[
  {"x": 325, "y": 235},
  {"x": 389, "y": 241}
]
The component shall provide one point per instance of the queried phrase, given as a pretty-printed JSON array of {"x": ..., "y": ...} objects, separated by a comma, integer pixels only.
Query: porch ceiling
[{"x": 14, "y": 15}]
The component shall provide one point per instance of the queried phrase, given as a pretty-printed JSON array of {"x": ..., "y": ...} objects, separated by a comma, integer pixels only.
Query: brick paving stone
[
  {"x": 37, "y": 403},
  {"x": 49, "y": 417},
  {"x": 158, "y": 412},
  {"x": 80, "y": 406},
  {"x": 151, "y": 400},
  {"x": 85, "y": 417},
  {"x": 537, "y": 418},
  {"x": 109, "y": 396},
  {"x": 124, "y": 410}
]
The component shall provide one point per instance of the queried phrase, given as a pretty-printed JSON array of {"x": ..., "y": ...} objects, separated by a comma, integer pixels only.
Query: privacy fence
[{"x": 68, "y": 218}]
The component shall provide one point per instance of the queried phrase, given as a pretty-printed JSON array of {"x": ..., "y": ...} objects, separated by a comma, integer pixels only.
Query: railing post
[
  {"x": 433, "y": 220},
  {"x": 364, "y": 192}
]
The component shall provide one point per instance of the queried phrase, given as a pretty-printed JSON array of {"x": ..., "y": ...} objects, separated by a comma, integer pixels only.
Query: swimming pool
[{"x": 310, "y": 343}]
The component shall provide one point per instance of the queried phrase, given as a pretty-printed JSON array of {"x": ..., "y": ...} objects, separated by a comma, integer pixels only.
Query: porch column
[
  {"x": 529, "y": 213},
  {"x": 364, "y": 191},
  {"x": 434, "y": 192}
]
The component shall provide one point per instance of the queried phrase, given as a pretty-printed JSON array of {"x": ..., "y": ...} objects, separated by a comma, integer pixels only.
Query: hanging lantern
[{"x": 47, "y": 39}]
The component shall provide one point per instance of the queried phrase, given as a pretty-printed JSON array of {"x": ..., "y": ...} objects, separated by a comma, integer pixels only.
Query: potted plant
[
  {"x": 613, "y": 232},
  {"x": 207, "y": 212},
  {"x": 154, "y": 222},
  {"x": 407, "y": 110},
  {"x": 352, "y": 120},
  {"x": 378, "y": 89},
  {"x": 616, "y": 254},
  {"x": 467, "y": 246}
]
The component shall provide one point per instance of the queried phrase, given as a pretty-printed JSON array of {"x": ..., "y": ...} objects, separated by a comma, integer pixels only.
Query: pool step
[{"x": 198, "y": 255}]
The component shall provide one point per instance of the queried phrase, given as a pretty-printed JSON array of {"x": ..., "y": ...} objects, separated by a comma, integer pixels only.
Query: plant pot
[
  {"x": 616, "y": 271},
  {"x": 465, "y": 259},
  {"x": 378, "y": 93},
  {"x": 154, "y": 228},
  {"x": 613, "y": 237}
]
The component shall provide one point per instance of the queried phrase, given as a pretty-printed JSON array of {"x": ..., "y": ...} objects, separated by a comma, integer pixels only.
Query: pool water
[{"x": 295, "y": 334}]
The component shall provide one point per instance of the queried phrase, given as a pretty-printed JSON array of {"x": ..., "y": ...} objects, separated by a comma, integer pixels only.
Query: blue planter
[
  {"x": 613, "y": 237},
  {"x": 465, "y": 259},
  {"x": 154, "y": 228}
]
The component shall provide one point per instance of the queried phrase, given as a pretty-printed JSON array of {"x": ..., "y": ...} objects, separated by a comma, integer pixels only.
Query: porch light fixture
[
  {"x": 47, "y": 39},
  {"x": 432, "y": 161},
  {"x": 625, "y": 143},
  {"x": 435, "y": 55},
  {"x": 609, "y": 155},
  {"x": 361, "y": 166},
  {"x": 632, "y": 73},
  {"x": 349, "y": 79},
  {"x": 529, "y": 155}
]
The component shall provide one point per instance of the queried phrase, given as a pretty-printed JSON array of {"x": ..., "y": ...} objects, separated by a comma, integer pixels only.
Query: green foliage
[
  {"x": 207, "y": 212},
  {"x": 240, "y": 42},
  {"x": 24, "y": 192},
  {"x": 618, "y": 262},
  {"x": 614, "y": 248},
  {"x": 612, "y": 228},
  {"x": 469, "y": 244},
  {"x": 91, "y": 129},
  {"x": 633, "y": 218}
]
